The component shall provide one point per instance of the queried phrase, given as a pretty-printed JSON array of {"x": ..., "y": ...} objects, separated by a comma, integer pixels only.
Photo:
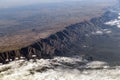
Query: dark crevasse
[{"x": 58, "y": 43}]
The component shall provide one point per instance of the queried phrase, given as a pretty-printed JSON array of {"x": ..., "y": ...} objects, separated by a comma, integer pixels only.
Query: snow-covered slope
[
  {"x": 115, "y": 22},
  {"x": 59, "y": 68}
]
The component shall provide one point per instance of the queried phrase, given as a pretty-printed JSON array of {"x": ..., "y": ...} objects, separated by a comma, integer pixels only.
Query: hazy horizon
[{"x": 17, "y": 3}]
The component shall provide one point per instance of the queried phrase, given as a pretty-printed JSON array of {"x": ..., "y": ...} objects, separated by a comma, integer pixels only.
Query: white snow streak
[
  {"x": 101, "y": 32},
  {"x": 44, "y": 70},
  {"x": 115, "y": 22}
]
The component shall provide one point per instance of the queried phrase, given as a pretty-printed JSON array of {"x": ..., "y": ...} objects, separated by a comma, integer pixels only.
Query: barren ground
[{"x": 20, "y": 27}]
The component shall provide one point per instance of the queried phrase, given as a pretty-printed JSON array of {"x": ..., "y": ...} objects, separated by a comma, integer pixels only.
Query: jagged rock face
[{"x": 58, "y": 42}]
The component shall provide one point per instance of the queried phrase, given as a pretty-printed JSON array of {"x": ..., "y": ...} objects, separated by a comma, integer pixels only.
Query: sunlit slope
[{"x": 23, "y": 25}]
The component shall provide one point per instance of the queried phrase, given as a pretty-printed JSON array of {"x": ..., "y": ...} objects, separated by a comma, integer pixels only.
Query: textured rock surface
[{"x": 56, "y": 43}]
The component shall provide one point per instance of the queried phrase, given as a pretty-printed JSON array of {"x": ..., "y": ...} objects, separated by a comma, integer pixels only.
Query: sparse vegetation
[{"x": 21, "y": 29}]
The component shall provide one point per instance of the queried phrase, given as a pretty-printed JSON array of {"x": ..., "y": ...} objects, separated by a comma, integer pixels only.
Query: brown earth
[{"x": 54, "y": 21}]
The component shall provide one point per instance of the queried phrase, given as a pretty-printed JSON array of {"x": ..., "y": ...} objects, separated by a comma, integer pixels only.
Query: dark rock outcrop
[{"x": 56, "y": 43}]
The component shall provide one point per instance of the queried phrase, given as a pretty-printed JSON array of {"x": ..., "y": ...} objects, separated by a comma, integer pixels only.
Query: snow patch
[
  {"x": 107, "y": 31},
  {"x": 101, "y": 32},
  {"x": 98, "y": 32},
  {"x": 119, "y": 14},
  {"x": 96, "y": 64},
  {"x": 115, "y": 22},
  {"x": 118, "y": 17},
  {"x": 44, "y": 69}
]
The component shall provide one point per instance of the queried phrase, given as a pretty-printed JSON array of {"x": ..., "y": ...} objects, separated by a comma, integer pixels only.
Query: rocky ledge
[{"x": 57, "y": 43}]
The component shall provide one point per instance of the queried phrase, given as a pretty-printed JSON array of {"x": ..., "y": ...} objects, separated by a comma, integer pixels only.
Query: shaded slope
[{"x": 84, "y": 34}]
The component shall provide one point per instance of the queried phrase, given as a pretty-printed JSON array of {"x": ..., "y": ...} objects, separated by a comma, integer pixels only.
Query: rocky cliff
[{"x": 57, "y": 43}]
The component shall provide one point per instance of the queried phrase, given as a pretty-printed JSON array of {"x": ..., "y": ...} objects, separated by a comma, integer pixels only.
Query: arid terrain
[
  {"x": 20, "y": 27},
  {"x": 77, "y": 40}
]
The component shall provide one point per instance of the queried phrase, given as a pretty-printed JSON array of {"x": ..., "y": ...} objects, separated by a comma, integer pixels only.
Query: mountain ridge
[{"x": 58, "y": 42}]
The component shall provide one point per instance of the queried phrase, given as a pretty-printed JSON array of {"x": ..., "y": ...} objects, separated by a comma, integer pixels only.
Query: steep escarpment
[{"x": 58, "y": 43}]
